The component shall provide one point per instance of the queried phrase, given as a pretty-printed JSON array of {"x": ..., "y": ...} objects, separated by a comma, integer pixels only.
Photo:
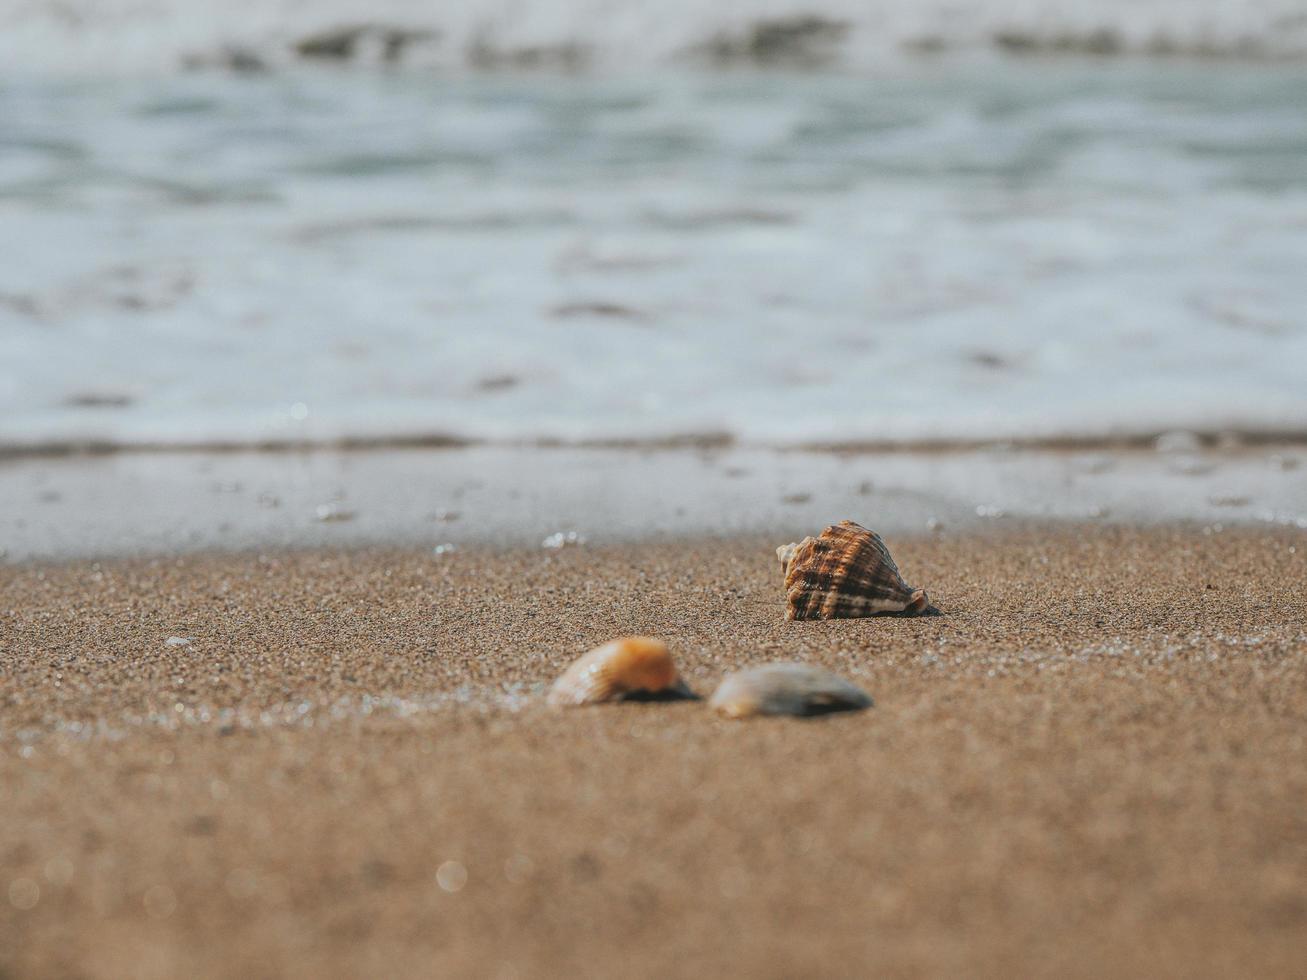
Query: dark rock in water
[
  {"x": 804, "y": 40},
  {"x": 988, "y": 359},
  {"x": 339, "y": 42},
  {"x": 98, "y": 399},
  {"x": 498, "y": 382},
  {"x": 1103, "y": 41},
  {"x": 600, "y": 309},
  {"x": 243, "y": 60},
  {"x": 342, "y": 43}
]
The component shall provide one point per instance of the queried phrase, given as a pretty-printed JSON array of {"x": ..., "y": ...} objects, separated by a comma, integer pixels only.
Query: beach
[
  {"x": 362, "y": 366},
  {"x": 341, "y": 763}
]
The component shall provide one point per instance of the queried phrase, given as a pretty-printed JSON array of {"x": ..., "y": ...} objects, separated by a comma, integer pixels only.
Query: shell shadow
[
  {"x": 909, "y": 614},
  {"x": 668, "y": 694}
]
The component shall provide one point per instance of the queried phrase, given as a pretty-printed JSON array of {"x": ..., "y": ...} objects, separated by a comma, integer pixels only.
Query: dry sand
[{"x": 1095, "y": 763}]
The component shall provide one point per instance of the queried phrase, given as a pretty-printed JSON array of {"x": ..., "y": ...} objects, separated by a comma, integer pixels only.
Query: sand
[{"x": 1095, "y": 763}]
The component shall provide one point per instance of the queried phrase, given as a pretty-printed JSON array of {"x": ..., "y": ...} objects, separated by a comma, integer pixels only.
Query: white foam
[{"x": 1032, "y": 252}]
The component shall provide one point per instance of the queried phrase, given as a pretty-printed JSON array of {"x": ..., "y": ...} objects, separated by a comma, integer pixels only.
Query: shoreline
[
  {"x": 123, "y": 505},
  {"x": 1223, "y": 439},
  {"x": 1090, "y": 764}
]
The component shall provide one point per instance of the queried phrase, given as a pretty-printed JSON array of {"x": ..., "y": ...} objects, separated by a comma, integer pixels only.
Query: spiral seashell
[
  {"x": 786, "y": 689},
  {"x": 843, "y": 573},
  {"x": 630, "y": 668}
]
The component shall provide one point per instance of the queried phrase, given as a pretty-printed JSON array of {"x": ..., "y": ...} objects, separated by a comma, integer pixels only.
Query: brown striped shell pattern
[{"x": 843, "y": 573}]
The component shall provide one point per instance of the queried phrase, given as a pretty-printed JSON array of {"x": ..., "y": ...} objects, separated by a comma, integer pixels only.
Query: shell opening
[{"x": 785, "y": 552}]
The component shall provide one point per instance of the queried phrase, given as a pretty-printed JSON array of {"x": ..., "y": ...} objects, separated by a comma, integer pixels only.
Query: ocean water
[{"x": 944, "y": 249}]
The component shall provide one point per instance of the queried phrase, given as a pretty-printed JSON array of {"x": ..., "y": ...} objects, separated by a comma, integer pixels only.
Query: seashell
[
  {"x": 786, "y": 689},
  {"x": 630, "y": 668},
  {"x": 844, "y": 573}
]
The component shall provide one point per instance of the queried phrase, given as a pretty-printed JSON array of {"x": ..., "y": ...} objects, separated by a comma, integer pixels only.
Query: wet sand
[
  {"x": 129, "y": 504},
  {"x": 1094, "y": 764}
]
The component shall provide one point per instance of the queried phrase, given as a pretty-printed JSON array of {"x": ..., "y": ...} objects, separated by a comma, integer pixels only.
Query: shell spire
[
  {"x": 843, "y": 573},
  {"x": 630, "y": 668}
]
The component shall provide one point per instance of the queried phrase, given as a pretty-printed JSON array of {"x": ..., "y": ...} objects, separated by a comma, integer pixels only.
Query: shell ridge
[{"x": 847, "y": 571}]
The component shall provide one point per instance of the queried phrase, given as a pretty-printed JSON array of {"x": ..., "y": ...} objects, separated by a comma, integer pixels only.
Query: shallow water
[{"x": 1023, "y": 250}]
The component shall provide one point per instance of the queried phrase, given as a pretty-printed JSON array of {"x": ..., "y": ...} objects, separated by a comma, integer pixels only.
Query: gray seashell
[{"x": 786, "y": 689}]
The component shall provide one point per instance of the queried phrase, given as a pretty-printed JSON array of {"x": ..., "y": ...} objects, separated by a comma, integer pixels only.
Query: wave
[
  {"x": 1174, "y": 441},
  {"x": 151, "y": 36}
]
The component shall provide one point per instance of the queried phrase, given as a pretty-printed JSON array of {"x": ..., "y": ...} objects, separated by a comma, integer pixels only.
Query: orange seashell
[
  {"x": 846, "y": 572},
  {"x": 630, "y": 668},
  {"x": 786, "y": 689}
]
